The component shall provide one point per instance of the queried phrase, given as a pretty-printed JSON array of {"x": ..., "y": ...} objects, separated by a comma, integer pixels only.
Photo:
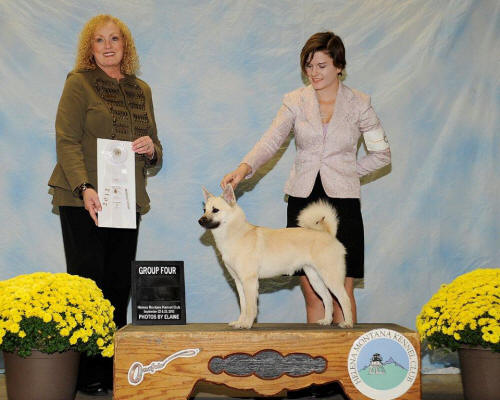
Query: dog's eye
[{"x": 215, "y": 210}]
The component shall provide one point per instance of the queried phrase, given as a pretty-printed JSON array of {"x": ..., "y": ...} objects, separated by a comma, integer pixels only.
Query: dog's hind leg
[
  {"x": 322, "y": 291},
  {"x": 337, "y": 288},
  {"x": 331, "y": 267},
  {"x": 341, "y": 295}
]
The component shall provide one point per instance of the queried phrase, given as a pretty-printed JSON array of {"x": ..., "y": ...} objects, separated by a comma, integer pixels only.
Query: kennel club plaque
[{"x": 158, "y": 296}]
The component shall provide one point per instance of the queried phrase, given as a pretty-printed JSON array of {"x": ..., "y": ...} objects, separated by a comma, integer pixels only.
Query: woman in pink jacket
[{"x": 328, "y": 119}]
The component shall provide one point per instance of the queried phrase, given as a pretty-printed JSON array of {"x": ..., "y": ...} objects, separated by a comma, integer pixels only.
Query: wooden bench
[{"x": 166, "y": 361}]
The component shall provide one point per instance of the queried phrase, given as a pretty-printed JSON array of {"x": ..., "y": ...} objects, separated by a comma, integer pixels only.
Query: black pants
[
  {"x": 103, "y": 255},
  {"x": 350, "y": 229}
]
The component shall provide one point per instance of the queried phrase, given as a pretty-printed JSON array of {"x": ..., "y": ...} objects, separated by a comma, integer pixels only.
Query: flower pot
[
  {"x": 480, "y": 370},
  {"x": 41, "y": 376}
]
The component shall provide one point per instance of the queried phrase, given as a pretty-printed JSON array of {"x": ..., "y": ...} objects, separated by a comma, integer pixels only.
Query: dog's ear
[
  {"x": 228, "y": 194},
  {"x": 206, "y": 193}
]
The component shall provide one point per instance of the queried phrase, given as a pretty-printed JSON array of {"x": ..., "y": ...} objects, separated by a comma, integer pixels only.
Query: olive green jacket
[{"x": 92, "y": 106}]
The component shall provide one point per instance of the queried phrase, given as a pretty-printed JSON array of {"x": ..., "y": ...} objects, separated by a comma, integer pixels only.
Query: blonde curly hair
[{"x": 85, "y": 59}]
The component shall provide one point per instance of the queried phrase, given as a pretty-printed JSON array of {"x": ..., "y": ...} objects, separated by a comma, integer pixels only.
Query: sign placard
[
  {"x": 158, "y": 296},
  {"x": 116, "y": 184}
]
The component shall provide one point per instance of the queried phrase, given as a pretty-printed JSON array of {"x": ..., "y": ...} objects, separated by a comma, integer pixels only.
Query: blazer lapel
[
  {"x": 338, "y": 111},
  {"x": 311, "y": 109}
]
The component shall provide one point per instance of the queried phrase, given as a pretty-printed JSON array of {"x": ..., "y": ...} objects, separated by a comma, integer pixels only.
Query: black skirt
[{"x": 350, "y": 230}]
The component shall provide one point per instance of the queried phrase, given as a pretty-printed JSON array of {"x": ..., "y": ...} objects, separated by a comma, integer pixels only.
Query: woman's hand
[
  {"x": 236, "y": 176},
  {"x": 144, "y": 145},
  {"x": 91, "y": 203}
]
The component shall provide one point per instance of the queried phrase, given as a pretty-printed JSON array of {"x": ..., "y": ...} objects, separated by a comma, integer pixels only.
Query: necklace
[
  {"x": 326, "y": 110},
  {"x": 325, "y": 116}
]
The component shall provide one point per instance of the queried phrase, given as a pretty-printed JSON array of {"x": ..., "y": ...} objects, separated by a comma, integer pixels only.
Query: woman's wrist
[
  {"x": 245, "y": 168},
  {"x": 82, "y": 188}
]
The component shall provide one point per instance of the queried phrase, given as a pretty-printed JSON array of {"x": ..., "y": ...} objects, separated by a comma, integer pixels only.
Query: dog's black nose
[{"x": 203, "y": 221}]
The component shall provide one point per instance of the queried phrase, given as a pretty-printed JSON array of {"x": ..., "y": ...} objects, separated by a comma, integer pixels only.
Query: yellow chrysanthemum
[
  {"x": 71, "y": 304},
  {"x": 466, "y": 311}
]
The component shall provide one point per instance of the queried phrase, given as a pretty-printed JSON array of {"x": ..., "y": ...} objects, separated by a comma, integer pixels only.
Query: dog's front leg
[
  {"x": 250, "y": 292},
  {"x": 243, "y": 304},
  {"x": 241, "y": 296}
]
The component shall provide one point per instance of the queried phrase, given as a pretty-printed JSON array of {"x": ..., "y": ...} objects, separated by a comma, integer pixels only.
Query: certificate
[{"x": 116, "y": 184}]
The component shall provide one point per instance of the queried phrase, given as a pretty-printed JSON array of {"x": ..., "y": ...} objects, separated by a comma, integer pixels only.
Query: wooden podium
[{"x": 166, "y": 361}]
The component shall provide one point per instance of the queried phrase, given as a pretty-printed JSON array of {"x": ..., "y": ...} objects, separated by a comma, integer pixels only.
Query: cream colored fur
[{"x": 251, "y": 252}]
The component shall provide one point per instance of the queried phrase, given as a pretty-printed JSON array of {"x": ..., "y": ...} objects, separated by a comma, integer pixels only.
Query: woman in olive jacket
[{"x": 102, "y": 98}]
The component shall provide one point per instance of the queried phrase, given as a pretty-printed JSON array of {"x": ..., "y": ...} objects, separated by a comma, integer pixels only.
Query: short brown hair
[
  {"x": 84, "y": 58},
  {"x": 327, "y": 42}
]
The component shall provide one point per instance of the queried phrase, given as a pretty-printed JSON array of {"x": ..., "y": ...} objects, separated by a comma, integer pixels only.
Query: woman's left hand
[{"x": 144, "y": 145}]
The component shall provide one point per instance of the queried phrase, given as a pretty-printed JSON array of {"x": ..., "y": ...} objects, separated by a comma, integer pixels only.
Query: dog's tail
[{"x": 320, "y": 216}]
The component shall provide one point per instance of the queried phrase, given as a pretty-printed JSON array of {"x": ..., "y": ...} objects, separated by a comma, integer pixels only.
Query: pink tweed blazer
[{"x": 331, "y": 151}]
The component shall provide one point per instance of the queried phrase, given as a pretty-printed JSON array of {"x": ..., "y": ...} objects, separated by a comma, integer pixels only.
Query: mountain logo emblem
[{"x": 383, "y": 364}]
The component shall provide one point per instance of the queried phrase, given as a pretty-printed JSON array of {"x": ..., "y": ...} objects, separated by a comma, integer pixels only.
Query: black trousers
[{"x": 103, "y": 255}]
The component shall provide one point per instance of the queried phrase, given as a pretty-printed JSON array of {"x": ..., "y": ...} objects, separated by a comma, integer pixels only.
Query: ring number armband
[
  {"x": 376, "y": 140},
  {"x": 82, "y": 188}
]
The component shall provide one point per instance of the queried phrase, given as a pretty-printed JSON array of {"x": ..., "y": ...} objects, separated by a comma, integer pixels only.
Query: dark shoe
[
  {"x": 305, "y": 393},
  {"x": 328, "y": 391},
  {"x": 94, "y": 389}
]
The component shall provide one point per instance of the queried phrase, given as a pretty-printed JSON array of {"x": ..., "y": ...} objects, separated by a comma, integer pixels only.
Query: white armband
[{"x": 376, "y": 140}]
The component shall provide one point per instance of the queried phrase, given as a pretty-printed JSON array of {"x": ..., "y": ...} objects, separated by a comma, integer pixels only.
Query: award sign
[
  {"x": 116, "y": 183},
  {"x": 158, "y": 293}
]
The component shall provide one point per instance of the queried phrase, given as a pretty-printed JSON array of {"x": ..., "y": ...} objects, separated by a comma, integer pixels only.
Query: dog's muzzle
[{"x": 208, "y": 223}]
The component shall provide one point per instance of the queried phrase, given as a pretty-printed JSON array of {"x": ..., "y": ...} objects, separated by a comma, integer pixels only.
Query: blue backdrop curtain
[{"x": 218, "y": 71}]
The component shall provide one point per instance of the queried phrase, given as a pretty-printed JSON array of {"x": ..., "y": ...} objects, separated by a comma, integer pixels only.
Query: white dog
[{"x": 251, "y": 252}]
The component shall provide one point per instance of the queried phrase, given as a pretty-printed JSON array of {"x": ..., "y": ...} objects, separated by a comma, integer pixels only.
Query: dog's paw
[
  {"x": 325, "y": 321},
  {"x": 240, "y": 324},
  {"x": 345, "y": 325},
  {"x": 246, "y": 325}
]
